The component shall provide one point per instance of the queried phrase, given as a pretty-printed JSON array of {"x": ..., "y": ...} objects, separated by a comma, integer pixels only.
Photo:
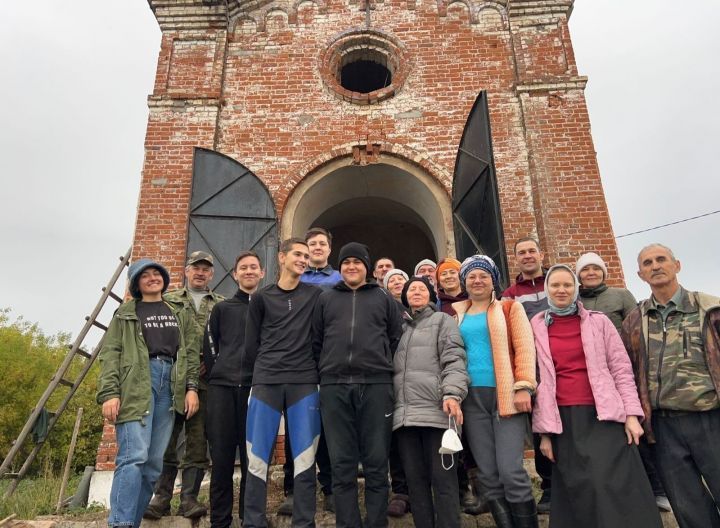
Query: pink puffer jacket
[{"x": 608, "y": 366}]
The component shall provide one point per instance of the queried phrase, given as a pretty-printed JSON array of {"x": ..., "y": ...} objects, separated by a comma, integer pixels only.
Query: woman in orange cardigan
[{"x": 501, "y": 364}]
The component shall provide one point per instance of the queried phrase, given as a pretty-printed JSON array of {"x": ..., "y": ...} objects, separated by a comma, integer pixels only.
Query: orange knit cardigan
[{"x": 513, "y": 355}]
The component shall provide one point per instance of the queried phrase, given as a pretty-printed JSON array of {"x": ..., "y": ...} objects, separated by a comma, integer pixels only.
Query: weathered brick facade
[{"x": 254, "y": 80}]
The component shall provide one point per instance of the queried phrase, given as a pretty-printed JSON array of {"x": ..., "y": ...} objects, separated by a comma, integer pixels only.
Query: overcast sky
[{"x": 75, "y": 78}]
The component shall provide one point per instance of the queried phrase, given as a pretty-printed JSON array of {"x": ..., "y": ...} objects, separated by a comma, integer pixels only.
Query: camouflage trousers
[{"x": 192, "y": 446}]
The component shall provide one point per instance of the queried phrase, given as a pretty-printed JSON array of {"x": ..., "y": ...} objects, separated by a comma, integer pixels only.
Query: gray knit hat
[
  {"x": 392, "y": 272},
  {"x": 424, "y": 262}
]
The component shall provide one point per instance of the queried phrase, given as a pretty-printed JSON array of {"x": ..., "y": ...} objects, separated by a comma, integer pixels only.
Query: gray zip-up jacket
[{"x": 429, "y": 365}]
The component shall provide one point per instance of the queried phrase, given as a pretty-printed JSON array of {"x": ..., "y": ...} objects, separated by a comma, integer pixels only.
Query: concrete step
[{"x": 323, "y": 520}]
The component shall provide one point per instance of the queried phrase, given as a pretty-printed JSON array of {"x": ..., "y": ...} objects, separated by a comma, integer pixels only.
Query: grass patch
[{"x": 35, "y": 496}]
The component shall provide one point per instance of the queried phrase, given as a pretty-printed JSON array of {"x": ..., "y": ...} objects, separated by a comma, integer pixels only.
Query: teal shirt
[{"x": 475, "y": 334}]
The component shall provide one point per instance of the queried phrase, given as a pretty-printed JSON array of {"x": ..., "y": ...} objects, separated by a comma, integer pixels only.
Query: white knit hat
[
  {"x": 392, "y": 272},
  {"x": 590, "y": 258}
]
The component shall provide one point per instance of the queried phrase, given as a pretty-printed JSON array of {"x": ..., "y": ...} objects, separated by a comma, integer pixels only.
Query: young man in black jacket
[
  {"x": 356, "y": 329},
  {"x": 229, "y": 389},
  {"x": 278, "y": 351}
]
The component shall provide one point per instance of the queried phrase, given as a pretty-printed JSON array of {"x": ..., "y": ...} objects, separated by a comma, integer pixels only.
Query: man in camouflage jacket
[
  {"x": 197, "y": 300},
  {"x": 673, "y": 340}
]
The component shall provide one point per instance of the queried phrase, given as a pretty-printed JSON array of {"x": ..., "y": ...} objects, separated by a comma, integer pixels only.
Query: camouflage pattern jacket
[{"x": 635, "y": 338}]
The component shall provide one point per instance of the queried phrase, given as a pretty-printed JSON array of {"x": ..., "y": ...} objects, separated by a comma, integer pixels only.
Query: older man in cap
[{"x": 198, "y": 300}]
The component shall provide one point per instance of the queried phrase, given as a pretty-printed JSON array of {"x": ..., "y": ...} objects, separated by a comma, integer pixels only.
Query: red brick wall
[{"x": 256, "y": 93}]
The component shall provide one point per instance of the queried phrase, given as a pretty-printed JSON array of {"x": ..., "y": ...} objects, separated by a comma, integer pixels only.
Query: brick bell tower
[
  {"x": 350, "y": 113},
  {"x": 423, "y": 128}
]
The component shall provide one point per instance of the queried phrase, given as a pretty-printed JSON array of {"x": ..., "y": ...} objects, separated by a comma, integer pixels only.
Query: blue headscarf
[
  {"x": 554, "y": 310},
  {"x": 482, "y": 262}
]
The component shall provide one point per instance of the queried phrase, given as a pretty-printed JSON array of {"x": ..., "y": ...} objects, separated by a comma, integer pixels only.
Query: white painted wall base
[{"x": 100, "y": 484}]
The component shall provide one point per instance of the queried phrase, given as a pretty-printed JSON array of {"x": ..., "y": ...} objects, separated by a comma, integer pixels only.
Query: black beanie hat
[
  {"x": 357, "y": 250},
  {"x": 426, "y": 282}
]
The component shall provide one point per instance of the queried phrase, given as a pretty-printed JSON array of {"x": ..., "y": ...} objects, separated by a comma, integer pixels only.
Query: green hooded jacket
[{"x": 125, "y": 364}]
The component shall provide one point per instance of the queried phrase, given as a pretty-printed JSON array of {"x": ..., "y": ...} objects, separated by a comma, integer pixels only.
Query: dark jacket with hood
[
  {"x": 355, "y": 334},
  {"x": 224, "y": 343}
]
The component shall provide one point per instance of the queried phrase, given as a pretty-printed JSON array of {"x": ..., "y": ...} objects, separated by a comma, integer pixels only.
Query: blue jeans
[{"x": 141, "y": 445}]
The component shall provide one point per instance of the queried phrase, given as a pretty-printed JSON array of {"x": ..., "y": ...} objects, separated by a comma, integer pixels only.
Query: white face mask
[{"x": 450, "y": 444}]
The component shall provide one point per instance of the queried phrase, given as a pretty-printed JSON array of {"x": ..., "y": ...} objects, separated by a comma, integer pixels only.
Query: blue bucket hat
[{"x": 136, "y": 269}]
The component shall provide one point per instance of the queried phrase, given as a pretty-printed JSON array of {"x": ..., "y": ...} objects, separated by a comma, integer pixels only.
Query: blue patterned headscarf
[
  {"x": 554, "y": 310},
  {"x": 479, "y": 262}
]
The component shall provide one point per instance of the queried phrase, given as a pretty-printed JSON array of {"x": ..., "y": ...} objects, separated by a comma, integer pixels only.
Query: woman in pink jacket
[{"x": 588, "y": 413}]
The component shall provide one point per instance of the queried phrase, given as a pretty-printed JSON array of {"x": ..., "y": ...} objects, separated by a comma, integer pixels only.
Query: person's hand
[
  {"x": 633, "y": 430},
  {"x": 110, "y": 409},
  {"x": 522, "y": 401},
  {"x": 192, "y": 404},
  {"x": 546, "y": 447},
  {"x": 452, "y": 408},
  {"x": 202, "y": 370}
]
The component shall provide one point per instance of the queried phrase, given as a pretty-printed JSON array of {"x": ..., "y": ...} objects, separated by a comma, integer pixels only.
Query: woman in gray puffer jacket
[{"x": 430, "y": 382}]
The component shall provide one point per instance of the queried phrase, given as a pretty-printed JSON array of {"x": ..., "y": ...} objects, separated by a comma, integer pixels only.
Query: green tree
[{"x": 29, "y": 359}]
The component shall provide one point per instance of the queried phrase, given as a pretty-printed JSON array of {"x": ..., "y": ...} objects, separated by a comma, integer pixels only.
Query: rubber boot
[
  {"x": 160, "y": 504},
  {"x": 501, "y": 514},
  {"x": 189, "y": 505},
  {"x": 524, "y": 514}
]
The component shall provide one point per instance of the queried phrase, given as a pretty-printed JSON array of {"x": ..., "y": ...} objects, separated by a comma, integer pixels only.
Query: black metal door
[
  {"x": 476, "y": 206},
  {"x": 231, "y": 211}
]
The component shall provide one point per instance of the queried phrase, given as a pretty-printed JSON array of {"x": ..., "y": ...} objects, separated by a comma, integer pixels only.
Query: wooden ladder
[{"x": 75, "y": 349}]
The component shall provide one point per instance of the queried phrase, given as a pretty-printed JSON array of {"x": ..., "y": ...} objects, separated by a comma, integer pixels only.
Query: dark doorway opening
[
  {"x": 388, "y": 228},
  {"x": 364, "y": 76}
]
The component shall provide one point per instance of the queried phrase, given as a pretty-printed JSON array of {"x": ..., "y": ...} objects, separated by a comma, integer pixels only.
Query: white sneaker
[{"x": 663, "y": 503}]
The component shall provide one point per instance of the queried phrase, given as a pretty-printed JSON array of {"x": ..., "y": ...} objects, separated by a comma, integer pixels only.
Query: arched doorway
[{"x": 394, "y": 207}]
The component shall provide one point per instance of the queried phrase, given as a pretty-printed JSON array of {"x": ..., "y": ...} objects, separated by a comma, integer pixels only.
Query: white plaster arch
[{"x": 391, "y": 178}]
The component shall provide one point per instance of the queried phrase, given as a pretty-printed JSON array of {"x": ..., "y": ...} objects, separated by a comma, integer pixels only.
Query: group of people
[{"x": 433, "y": 379}]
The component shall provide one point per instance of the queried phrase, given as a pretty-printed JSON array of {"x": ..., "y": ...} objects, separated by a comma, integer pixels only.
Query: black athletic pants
[
  {"x": 358, "y": 424},
  {"x": 226, "y": 415}
]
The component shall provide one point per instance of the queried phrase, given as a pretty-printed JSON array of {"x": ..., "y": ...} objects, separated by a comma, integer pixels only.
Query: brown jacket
[{"x": 634, "y": 335}]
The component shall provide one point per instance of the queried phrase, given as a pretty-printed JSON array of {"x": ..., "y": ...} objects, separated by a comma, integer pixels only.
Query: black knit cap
[
  {"x": 357, "y": 250},
  {"x": 426, "y": 282}
]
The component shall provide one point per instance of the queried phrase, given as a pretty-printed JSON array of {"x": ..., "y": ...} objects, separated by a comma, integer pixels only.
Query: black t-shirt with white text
[{"x": 159, "y": 328}]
